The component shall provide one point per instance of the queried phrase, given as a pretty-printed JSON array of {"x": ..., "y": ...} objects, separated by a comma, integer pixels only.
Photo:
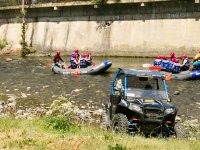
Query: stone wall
[{"x": 114, "y": 29}]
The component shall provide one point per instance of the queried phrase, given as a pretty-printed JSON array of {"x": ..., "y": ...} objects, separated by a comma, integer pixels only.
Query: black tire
[{"x": 120, "y": 123}]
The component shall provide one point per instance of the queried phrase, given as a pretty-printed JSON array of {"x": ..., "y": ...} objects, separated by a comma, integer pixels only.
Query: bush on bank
[{"x": 3, "y": 43}]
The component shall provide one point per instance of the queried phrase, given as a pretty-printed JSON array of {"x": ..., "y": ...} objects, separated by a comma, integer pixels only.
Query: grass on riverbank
[{"x": 51, "y": 133}]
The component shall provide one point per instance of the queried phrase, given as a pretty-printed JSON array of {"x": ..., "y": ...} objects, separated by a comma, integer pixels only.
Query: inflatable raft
[
  {"x": 184, "y": 75},
  {"x": 98, "y": 69}
]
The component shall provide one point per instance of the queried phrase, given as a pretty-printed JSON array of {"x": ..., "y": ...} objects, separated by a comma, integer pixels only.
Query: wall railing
[{"x": 4, "y": 3}]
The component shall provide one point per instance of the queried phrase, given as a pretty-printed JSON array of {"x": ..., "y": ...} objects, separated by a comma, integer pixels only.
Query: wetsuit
[{"x": 186, "y": 65}]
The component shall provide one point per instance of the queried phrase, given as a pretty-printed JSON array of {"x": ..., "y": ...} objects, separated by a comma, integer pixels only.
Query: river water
[{"x": 33, "y": 83}]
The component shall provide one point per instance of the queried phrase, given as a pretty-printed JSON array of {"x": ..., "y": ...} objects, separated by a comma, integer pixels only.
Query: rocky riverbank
[{"x": 63, "y": 106}]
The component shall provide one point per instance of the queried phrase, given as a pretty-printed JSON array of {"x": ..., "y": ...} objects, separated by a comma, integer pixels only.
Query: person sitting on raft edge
[
  {"x": 74, "y": 59},
  {"x": 58, "y": 61},
  {"x": 186, "y": 63},
  {"x": 165, "y": 62},
  {"x": 176, "y": 66},
  {"x": 157, "y": 61},
  {"x": 172, "y": 56},
  {"x": 89, "y": 59},
  {"x": 83, "y": 63}
]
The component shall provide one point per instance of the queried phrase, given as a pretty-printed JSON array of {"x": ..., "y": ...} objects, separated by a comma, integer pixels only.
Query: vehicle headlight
[
  {"x": 169, "y": 110},
  {"x": 135, "y": 108}
]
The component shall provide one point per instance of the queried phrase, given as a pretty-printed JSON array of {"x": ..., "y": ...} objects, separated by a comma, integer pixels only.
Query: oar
[
  {"x": 76, "y": 70},
  {"x": 168, "y": 77}
]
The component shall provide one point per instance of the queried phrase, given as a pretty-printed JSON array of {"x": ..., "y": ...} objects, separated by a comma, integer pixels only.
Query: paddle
[
  {"x": 168, "y": 77},
  {"x": 76, "y": 70}
]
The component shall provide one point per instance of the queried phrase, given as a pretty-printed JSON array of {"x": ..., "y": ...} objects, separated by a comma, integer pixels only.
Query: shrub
[
  {"x": 25, "y": 49},
  {"x": 3, "y": 43},
  {"x": 61, "y": 124}
]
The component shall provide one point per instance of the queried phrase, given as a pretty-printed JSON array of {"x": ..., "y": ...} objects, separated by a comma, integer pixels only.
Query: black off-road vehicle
[{"x": 139, "y": 104}]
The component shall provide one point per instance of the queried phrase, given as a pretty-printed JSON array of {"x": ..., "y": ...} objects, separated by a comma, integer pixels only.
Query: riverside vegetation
[{"x": 64, "y": 126}]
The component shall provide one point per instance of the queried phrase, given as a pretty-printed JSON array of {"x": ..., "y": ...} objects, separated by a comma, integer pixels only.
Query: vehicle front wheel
[{"x": 120, "y": 123}]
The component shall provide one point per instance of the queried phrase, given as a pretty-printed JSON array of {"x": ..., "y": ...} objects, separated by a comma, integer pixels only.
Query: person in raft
[
  {"x": 186, "y": 63},
  {"x": 89, "y": 59},
  {"x": 157, "y": 61},
  {"x": 58, "y": 61},
  {"x": 165, "y": 62},
  {"x": 176, "y": 66},
  {"x": 196, "y": 64},
  {"x": 172, "y": 56},
  {"x": 170, "y": 65},
  {"x": 83, "y": 63},
  {"x": 74, "y": 59}
]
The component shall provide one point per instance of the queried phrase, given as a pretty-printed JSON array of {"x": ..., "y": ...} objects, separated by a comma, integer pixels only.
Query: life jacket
[
  {"x": 56, "y": 58},
  {"x": 83, "y": 63},
  {"x": 165, "y": 63},
  {"x": 157, "y": 62},
  {"x": 73, "y": 65},
  {"x": 169, "y": 66},
  {"x": 176, "y": 68},
  {"x": 89, "y": 61},
  {"x": 187, "y": 64}
]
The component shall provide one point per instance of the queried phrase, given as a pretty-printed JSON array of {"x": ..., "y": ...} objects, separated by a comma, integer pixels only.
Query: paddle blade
[
  {"x": 155, "y": 68},
  {"x": 168, "y": 77},
  {"x": 76, "y": 71},
  {"x": 146, "y": 65}
]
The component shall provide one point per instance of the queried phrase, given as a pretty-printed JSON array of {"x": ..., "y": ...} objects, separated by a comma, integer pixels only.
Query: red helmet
[
  {"x": 58, "y": 52},
  {"x": 184, "y": 56},
  {"x": 74, "y": 55},
  {"x": 89, "y": 53},
  {"x": 158, "y": 57},
  {"x": 165, "y": 58},
  {"x": 76, "y": 51},
  {"x": 173, "y": 59},
  {"x": 83, "y": 55},
  {"x": 172, "y": 54},
  {"x": 176, "y": 61}
]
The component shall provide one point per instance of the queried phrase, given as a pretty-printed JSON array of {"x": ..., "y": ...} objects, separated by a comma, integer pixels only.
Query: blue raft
[
  {"x": 98, "y": 69},
  {"x": 184, "y": 75}
]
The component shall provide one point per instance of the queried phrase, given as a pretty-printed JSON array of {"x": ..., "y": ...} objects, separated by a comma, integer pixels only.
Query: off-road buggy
[{"x": 139, "y": 104}]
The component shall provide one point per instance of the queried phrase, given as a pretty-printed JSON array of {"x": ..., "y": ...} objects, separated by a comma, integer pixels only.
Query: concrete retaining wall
[{"x": 117, "y": 29}]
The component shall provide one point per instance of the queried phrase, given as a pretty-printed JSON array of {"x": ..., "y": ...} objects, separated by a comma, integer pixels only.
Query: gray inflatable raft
[{"x": 98, "y": 69}]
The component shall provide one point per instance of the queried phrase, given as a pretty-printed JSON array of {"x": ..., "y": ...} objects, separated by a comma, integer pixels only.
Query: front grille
[{"x": 153, "y": 114}]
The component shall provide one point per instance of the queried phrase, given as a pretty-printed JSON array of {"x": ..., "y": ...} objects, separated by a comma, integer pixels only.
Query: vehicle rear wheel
[{"x": 120, "y": 123}]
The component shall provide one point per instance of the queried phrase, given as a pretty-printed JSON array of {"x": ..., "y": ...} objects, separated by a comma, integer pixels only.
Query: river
[{"x": 34, "y": 84}]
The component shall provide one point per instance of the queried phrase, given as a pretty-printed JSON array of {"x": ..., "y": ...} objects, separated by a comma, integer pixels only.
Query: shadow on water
[{"x": 34, "y": 84}]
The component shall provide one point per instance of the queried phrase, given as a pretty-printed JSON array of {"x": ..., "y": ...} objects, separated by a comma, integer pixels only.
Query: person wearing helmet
[
  {"x": 186, "y": 63},
  {"x": 74, "y": 59},
  {"x": 196, "y": 64},
  {"x": 83, "y": 61},
  {"x": 88, "y": 59},
  {"x": 172, "y": 56},
  {"x": 176, "y": 66},
  {"x": 157, "y": 61},
  {"x": 165, "y": 62},
  {"x": 58, "y": 61},
  {"x": 196, "y": 57},
  {"x": 170, "y": 65}
]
